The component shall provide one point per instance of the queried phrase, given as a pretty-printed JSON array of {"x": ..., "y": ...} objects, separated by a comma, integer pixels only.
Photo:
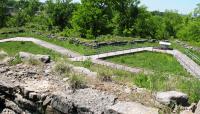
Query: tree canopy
[{"x": 92, "y": 18}]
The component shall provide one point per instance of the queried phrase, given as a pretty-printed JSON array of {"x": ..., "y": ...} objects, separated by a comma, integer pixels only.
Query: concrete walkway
[
  {"x": 184, "y": 60},
  {"x": 45, "y": 44},
  {"x": 118, "y": 53}
]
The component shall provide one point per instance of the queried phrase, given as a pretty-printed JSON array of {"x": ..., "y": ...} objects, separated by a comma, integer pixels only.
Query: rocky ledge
[{"x": 27, "y": 89}]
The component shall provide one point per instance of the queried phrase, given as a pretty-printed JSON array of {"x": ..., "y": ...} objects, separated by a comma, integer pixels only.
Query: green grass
[
  {"x": 157, "y": 81},
  {"x": 13, "y": 48},
  {"x": 157, "y": 62}
]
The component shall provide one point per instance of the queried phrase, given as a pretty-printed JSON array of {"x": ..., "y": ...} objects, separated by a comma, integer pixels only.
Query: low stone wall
[{"x": 96, "y": 44}]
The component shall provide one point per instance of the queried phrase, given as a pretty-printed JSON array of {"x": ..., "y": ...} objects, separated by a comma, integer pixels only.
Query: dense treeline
[{"x": 92, "y": 18}]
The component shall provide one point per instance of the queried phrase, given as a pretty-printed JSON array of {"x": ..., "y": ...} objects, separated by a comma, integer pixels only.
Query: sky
[{"x": 182, "y": 6}]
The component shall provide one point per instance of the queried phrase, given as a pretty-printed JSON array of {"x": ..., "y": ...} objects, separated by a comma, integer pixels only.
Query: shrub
[
  {"x": 88, "y": 63},
  {"x": 16, "y": 60},
  {"x": 105, "y": 75},
  {"x": 62, "y": 68},
  {"x": 77, "y": 82}
]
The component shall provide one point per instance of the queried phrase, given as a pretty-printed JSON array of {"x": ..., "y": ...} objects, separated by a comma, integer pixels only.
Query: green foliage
[
  {"x": 58, "y": 13},
  {"x": 88, "y": 63},
  {"x": 24, "y": 12},
  {"x": 90, "y": 19},
  {"x": 197, "y": 11},
  {"x": 150, "y": 26},
  {"x": 105, "y": 75},
  {"x": 16, "y": 60},
  {"x": 124, "y": 14},
  {"x": 173, "y": 22},
  {"x": 3, "y": 12},
  {"x": 191, "y": 31}
]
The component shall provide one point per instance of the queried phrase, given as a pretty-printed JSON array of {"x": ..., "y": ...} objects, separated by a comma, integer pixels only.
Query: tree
[
  {"x": 125, "y": 12},
  {"x": 90, "y": 19},
  {"x": 191, "y": 31},
  {"x": 173, "y": 22},
  {"x": 3, "y": 13},
  {"x": 197, "y": 11},
  {"x": 59, "y": 12},
  {"x": 25, "y": 11}
]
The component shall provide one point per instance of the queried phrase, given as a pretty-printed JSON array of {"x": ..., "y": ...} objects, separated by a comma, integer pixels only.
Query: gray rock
[
  {"x": 130, "y": 108},
  {"x": 172, "y": 96},
  {"x": 8, "y": 111},
  {"x": 84, "y": 101},
  {"x": 27, "y": 56},
  {"x": 33, "y": 96},
  {"x": 24, "y": 103},
  {"x": 197, "y": 111},
  {"x": 65, "y": 79},
  {"x": 8, "y": 88},
  {"x": 85, "y": 71},
  {"x": 186, "y": 112},
  {"x": 13, "y": 106},
  {"x": 3, "y": 70},
  {"x": 47, "y": 101},
  {"x": 62, "y": 104}
]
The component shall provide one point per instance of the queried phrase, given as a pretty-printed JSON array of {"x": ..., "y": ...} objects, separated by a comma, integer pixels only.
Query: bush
[
  {"x": 77, "y": 82},
  {"x": 105, "y": 75},
  {"x": 88, "y": 63},
  {"x": 62, "y": 68},
  {"x": 16, "y": 60}
]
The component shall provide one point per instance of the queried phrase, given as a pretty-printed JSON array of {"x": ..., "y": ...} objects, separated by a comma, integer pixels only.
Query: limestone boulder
[
  {"x": 85, "y": 71},
  {"x": 27, "y": 56},
  {"x": 186, "y": 112},
  {"x": 130, "y": 108},
  {"x": 83, "y": 101},
  {"x": 8, "y": 111},
  {"x": 172, "y": 96},
  {"x": 197, "y": 111}
]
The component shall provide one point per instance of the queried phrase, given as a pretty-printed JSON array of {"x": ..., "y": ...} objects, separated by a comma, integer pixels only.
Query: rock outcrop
[
  {"x": 28, "y": 89},
  {"x": 27, "y": 56},
  {"x": 169, "y": 97},
  {"x": 197, "y": 111}
]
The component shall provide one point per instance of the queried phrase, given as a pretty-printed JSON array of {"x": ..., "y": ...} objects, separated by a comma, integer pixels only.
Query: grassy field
[
  {"x": 13, "y": 48},
  {"x": 157, "y": 81},
  {"x": 167, "y": 74},
  {"x": 157, "y": 62}
]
